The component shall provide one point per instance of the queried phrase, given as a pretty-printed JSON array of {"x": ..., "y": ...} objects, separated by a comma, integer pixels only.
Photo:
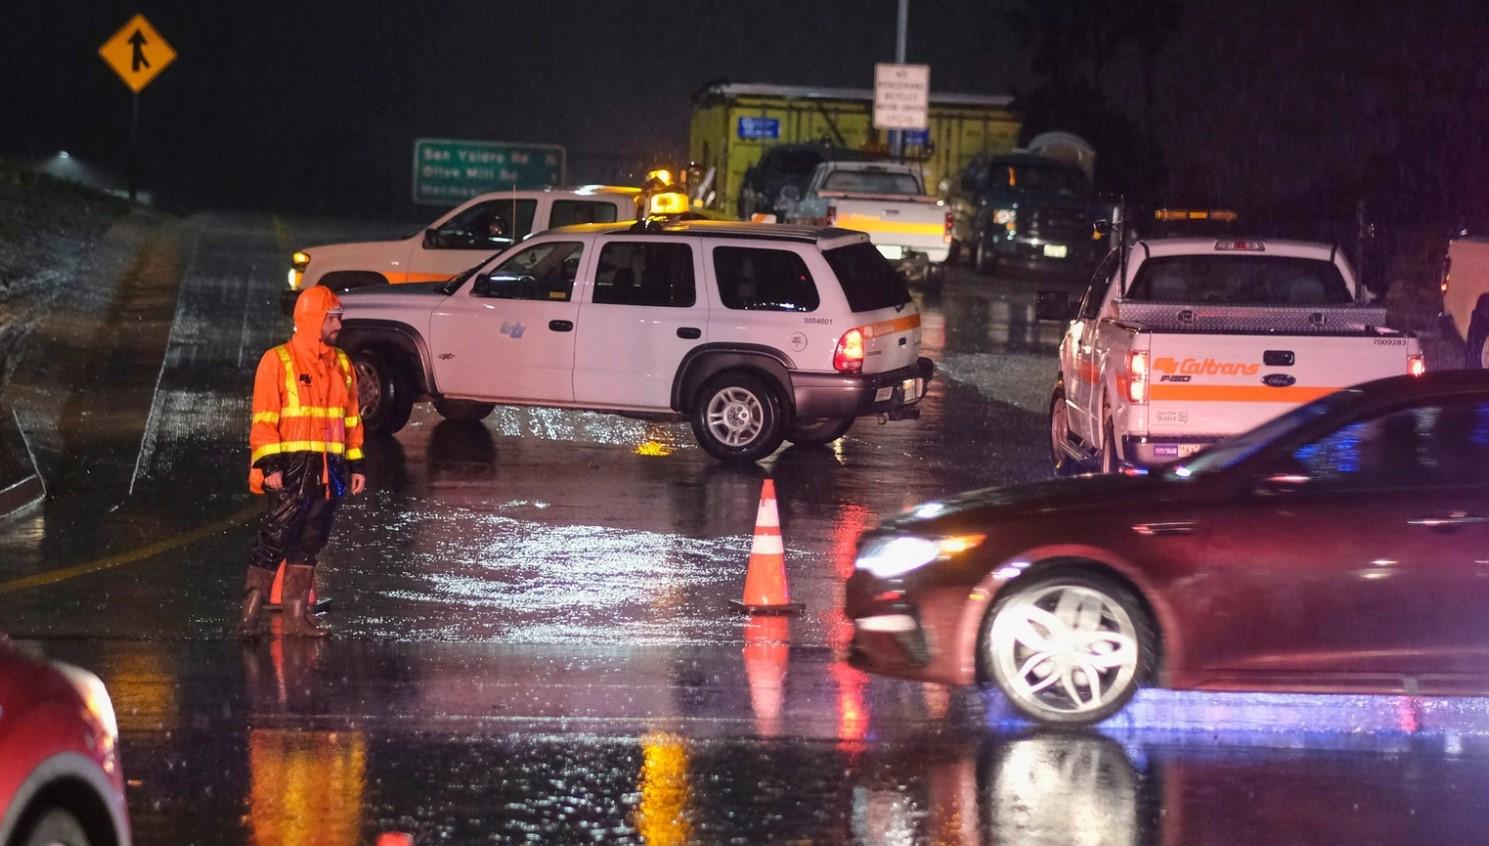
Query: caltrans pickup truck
[{"x": 1204, "y": 338}]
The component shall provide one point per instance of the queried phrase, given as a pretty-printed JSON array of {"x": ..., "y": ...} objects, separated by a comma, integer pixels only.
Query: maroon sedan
[
  {"x": 59, "y": 766},
  {"x": 1343, "y": 547}
]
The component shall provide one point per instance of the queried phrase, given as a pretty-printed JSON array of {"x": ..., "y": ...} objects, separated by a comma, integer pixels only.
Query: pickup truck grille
[{"x": 1058, "y": 224}]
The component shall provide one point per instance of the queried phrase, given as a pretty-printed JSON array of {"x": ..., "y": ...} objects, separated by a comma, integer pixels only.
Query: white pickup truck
[
  {"x": 886, "y": 200},
  {"x": 1206, "y": 338},
  {"x": 464, "y": 236}
]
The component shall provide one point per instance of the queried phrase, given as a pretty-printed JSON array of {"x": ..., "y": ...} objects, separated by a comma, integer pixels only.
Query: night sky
[{"x": 313, "y": 107}]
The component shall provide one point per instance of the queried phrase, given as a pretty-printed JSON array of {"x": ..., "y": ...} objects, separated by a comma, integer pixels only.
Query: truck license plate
[
  {"x": 891, "y": 252},
  {"x": 1056, "y": 250}
]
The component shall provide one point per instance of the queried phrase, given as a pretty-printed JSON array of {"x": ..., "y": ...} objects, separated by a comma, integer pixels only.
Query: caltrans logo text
[{"x": 1205, "y": 367}]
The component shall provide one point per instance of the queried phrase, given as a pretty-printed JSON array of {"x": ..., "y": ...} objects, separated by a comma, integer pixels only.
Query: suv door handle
[
  {"x": 1456, "y": 518},
  {"x": 561, "y": 325},
  {"x": 689, "y": 332}
]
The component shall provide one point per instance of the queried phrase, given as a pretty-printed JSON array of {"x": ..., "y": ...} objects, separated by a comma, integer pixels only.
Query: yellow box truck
[{"x": 734, "y": 124}]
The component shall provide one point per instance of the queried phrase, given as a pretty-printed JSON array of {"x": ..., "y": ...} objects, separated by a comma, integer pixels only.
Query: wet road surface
[{"x": 533, "y": 640}]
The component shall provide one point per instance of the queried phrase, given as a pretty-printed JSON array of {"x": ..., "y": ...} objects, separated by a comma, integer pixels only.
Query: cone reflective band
[{"x": 765, "y": 581}]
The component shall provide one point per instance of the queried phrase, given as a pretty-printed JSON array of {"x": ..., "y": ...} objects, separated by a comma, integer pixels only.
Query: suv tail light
[
  {"x": 848, "y": 357},
  {"x": 1416, "y": 365},
  {"x": 1135, "y": 385},
  {"x": 946, "y": 233},
  {"x": 832, "y": 215}
]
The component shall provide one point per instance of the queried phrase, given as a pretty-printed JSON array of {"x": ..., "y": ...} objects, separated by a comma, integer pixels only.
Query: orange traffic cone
[
  {"x": 276, "y": 595},
  {"x": 765, "y": 581},
  {"x": 766, "y": 652}
]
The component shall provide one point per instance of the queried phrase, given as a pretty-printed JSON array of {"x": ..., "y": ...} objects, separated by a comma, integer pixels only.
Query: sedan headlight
[
  {"x": 888, "y": 557},
  {"x": 95, "y": 698}
]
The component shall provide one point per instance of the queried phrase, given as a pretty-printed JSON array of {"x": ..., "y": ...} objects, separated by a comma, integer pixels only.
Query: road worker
[{"x": 307, "y": 453}]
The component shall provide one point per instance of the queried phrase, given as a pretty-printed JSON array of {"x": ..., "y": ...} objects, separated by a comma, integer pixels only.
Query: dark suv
[
  {"x": 1026, "y": 210},
  {"x": 783, "y": 166}
]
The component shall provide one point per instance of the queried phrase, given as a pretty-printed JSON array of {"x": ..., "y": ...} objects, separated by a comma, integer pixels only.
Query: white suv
[
  {"x": 755, "y": 333},
  {"x": 466, "y": 235}
]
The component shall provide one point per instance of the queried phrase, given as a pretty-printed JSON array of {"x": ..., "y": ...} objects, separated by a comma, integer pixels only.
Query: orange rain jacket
[{"x": 305, "y": 403}]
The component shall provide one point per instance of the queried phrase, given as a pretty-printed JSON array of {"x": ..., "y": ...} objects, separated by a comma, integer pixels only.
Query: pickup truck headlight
[
  {"x": 1005, "y": 217},
  {"x": 888, "y": 557}
]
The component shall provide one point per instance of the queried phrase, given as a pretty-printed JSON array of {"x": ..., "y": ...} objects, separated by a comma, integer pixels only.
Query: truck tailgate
[
  {"x": 1206, "y": 384},
  {"x": 914, "y": 223}
]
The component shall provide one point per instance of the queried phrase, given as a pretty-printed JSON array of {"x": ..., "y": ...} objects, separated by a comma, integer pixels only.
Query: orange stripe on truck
[
  {"x": 1297, "y": 394},
  {"x": 402, "y": 278},
  {"x": 864, "y": 223},
  {"x": 890, "y": 327}
]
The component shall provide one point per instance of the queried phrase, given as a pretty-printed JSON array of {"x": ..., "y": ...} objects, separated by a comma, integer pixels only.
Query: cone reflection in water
[
  {"x": 767, "y": 650},
  {"x": 662, "y": 815},
  {"x": 395, "y": 838},
  {"x": 306, "y": 787},
  {"x": 765, "y": 581},
  {"x": 853, "y": 709}
]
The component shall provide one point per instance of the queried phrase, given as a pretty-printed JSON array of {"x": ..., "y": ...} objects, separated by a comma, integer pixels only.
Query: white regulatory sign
[{"x": 902, "y": 94}]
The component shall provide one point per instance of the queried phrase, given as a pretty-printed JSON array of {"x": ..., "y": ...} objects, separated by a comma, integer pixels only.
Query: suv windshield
[
  {"x": 871, "y": 182},
  {"x": 869, "y": 281},
  {"x": 1239, "y": 280}
]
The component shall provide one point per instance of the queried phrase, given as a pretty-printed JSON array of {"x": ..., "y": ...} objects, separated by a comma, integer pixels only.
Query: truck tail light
[
  {"x": 1137, "y": 377},
  {"x": 848, "y": 357},
  {"x": 832, "y": 215},
  {"x": 1415, "y": 364},
  {"x": 946, "y": 233}
]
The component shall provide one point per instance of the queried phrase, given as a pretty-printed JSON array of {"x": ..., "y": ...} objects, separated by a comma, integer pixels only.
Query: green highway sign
[{"x": 451, "y": 170}]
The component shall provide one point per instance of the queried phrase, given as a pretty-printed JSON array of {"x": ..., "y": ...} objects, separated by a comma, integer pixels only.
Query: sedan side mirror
[
  {"x": 1280, "y": 484},
  {"x": 1055, "y": 305}
]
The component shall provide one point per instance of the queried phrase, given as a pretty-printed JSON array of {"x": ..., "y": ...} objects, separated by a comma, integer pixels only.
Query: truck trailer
[{"x": 734, "y": 124}]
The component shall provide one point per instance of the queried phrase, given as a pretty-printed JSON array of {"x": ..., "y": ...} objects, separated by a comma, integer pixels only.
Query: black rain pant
[{"x": 295, "y": 529}]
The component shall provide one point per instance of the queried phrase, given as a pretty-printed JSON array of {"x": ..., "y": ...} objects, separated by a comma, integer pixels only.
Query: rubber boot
[
  {"x": 255, "y": 590},
  {"x": 296, "y": 594}
]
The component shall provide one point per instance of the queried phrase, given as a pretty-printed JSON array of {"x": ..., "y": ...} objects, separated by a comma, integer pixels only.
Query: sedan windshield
[{"x": 1232, "y": 451}]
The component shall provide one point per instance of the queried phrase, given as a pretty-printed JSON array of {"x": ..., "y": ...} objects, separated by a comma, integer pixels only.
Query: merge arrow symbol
[{"x": 138, "y": 42}]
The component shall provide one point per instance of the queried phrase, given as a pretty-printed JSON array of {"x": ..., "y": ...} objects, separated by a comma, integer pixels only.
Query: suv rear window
[
  {"x": 754, "y": 279},
  {"x": 1239, "y": 280},
  {"x": 869, "y": 281}
]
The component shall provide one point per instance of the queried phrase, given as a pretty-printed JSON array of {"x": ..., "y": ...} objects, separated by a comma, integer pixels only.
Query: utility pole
[{"x": 897, "y": 136}]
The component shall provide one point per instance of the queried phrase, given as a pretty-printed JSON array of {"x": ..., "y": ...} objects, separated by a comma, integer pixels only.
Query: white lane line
[{"x": 148, "y": 437}]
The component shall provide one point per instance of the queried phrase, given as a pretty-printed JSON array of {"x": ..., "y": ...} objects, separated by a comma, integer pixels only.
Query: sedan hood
[{"x": 1073, "y": 495}]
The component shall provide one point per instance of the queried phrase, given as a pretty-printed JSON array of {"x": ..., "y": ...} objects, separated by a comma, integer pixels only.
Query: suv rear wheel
[
  {"x": 738, "y": 417},
  {"x": 385, "y": 393},
  {"x": 820, "y": 431}
]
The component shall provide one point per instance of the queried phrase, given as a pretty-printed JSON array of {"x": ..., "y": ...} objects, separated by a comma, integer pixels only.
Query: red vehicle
[
  {"x": 1342, "y": 547},
  {"x": 60, "y": 781}
]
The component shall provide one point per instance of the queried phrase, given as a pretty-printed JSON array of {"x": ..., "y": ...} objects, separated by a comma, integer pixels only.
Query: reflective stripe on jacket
[{"x": 304, "y": 407}]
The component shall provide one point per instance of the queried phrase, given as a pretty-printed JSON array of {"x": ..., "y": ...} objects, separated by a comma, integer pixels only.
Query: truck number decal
[
  {"x": 1390, "y": 342},
  {"x": 818, "y": 321}
]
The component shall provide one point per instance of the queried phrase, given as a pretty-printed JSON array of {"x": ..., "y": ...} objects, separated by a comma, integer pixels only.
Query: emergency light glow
[
  {"x": 670, "y": 202},
  {"x": 1415, "y": 364},
  {"x": 662, "y": 175}
]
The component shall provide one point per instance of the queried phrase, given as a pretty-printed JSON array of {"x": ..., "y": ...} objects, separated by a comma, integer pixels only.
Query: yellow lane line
[{"x": 154, "y": 549}]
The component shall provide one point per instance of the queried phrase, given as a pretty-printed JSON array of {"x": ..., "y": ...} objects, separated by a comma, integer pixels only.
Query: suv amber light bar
[{"x": 1222, "y": 215}]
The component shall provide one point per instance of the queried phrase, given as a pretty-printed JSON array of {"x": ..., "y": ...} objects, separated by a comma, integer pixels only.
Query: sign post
[
  {"x": 138, "y": 54},
  {"x": 902, "y": 96},
  {"x": 451, "y": 170}
]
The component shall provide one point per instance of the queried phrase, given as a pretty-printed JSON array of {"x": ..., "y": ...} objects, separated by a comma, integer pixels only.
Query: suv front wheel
[
  {"x": 738, "y": 417},
  {"x": 385, "y": 393}
]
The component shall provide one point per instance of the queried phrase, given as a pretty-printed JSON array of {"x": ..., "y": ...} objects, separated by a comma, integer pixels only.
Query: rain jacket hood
[{"x": 311, "y": 308}]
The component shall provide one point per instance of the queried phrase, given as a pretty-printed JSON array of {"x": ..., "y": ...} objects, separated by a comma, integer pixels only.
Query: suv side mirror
[
  {"x": 1055, "y": 305},
  {"x": 431, "y": 239}
]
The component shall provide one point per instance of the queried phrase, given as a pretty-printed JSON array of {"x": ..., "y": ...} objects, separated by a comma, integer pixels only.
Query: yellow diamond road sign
[{"x": 137, "y": 53}]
